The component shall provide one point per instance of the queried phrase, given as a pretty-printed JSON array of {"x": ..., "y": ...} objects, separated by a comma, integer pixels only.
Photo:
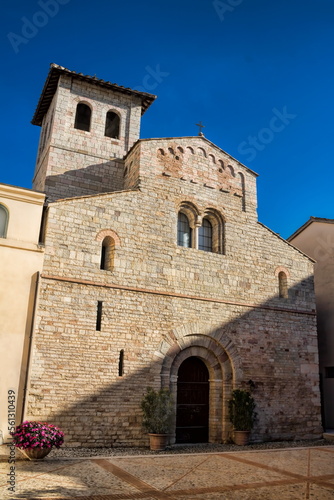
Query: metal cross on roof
[{"x": 200, "y": 125}]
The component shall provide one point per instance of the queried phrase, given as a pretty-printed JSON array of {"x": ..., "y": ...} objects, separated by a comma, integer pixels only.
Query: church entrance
[{"x": 192, "y": 408}]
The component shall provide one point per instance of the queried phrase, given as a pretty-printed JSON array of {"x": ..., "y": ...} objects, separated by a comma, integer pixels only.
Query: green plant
[
  {"x": 242, "y": 410},
  {"x": 157, "y": 407}
]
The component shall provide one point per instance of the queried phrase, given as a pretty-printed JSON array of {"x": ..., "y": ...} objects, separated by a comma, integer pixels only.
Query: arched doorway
[{"x": 192, "y": 409}]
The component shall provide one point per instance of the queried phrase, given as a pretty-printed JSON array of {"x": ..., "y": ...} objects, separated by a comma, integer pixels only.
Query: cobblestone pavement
[{"x": 296, "y": 473}]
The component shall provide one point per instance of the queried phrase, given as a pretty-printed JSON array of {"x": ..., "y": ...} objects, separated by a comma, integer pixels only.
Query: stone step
[{"x": 329, "y": 435}]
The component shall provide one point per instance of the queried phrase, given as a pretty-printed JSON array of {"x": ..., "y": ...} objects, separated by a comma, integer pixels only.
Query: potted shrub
[
  {"x": 242, "y": 414},
  {"x": 36, "y": 439},
  {"x": 157, "y": 407}
]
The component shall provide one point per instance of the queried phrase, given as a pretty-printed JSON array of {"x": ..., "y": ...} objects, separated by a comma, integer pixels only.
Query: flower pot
[
  {"x": 241, "y": 438},
  {"x": 158, "y": 442},
  {"x": 36, "y": 453}
]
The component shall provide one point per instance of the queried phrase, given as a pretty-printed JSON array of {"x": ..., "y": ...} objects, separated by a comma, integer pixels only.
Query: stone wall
[
  {"x": 75, "y": 380},
  {"x": 162, "y": 303},
  {"x": 74, "y": 162}
]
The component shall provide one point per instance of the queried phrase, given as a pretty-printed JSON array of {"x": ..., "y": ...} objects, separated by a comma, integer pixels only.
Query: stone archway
[{"x": 215, "y": 349}]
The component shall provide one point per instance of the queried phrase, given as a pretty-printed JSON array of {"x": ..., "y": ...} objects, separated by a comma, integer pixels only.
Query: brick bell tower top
[{"x": 88, "y": 125}]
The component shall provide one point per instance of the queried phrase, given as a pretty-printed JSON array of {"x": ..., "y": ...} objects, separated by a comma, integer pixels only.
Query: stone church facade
[{"x": 155, "y": 265}]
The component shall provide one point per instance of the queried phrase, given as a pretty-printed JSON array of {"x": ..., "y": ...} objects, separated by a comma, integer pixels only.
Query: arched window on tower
[
  {"x": 112, "y": 125},
  {"x": 184, "y": 231},
  {"x": 205, "y": 236},
  {"x": 3, "y": 221},
  {"x": 283, "y": 285},
  {"x": 83, "y": 117},
  {"x": 107, "y": 254}
]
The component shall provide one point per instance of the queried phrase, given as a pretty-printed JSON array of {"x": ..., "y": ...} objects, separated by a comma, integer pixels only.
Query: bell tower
[{"x": 88, "y": 125}]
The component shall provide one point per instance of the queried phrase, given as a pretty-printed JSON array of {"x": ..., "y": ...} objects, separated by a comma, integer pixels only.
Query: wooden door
[{"x": 192, "y": 414}]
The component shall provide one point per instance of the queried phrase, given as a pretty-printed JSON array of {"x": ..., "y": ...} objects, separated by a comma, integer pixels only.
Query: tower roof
[{"x": 51, "y": 83}]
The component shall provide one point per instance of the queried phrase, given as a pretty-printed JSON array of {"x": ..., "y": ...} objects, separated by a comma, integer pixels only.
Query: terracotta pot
[
  {"x": 158, "y": 442},
  {"x": 241, "y": 438},
  {"x": 36, "y": 453}
]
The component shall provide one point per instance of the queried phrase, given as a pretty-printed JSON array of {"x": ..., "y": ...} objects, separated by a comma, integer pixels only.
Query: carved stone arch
[
  {"x": 218, "y": 229},
  {"x": 230, "y": 170},
  {"x": 213, "y": 212},
  {"x": 202, "y": 152},
  {"x": 212, "y": 158},
  {"x": 282, "y": 274},
  {"x": 110, "y": 241},
  {"x": 113, "y": 123},
  {"x": 190, "y": 150},
  {"x": 198, "y": 340},
  {"x": 221, "y": 165},
  {"x": 207, "y": 349},
  {"x": 184, "y": 335},
  {"x": 83, "y": 114},
  {"x": 283, "y": 269},
  {"x": 191, "y": 211},
  {"x": 160, "y": 152},
  {"x": 108, "y": 232},
  {"x": 78, "y": 100}
]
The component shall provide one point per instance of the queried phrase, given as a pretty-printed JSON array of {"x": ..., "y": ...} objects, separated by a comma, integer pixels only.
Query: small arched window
[
  {"x": 112, "y": 125},
  {"x": 184, "y": 231},
  {"x": 3, "y": 221},
  {"x": 107, "y": 254},
  {"x": 205, "y": 236},
  {"x": 82, "y": 117},
  {"x": 283, "y": 285}
]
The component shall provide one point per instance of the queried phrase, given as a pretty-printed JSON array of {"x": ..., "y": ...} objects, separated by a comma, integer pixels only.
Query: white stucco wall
[
  {"x": 21, "y": 259},
  {"x": 317, "y": 241}
]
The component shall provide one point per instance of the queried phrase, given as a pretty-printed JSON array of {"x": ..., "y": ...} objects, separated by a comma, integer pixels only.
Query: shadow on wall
[
  {"x": 268, "y": 344},
  {"x": 94, "y": 179},
  {"x": 279, "y": 357}
]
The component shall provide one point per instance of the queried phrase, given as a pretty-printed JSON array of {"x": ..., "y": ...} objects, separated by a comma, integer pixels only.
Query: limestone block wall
[
  {"x": 75, "y": 380},
  {"x": 196, "y": 161},
  {"x": 161, "y": 301},
  {"x": 147, "y": 255},
  {"x": 74, "y": 162}
]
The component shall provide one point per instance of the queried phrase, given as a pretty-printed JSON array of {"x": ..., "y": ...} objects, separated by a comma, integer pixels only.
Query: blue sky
[{"x": 259, "y": 74}]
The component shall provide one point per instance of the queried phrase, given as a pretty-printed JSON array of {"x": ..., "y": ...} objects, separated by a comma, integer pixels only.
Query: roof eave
[
  {"x": 51, "y": 84},
  {"x": 308, "y": 223}
]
